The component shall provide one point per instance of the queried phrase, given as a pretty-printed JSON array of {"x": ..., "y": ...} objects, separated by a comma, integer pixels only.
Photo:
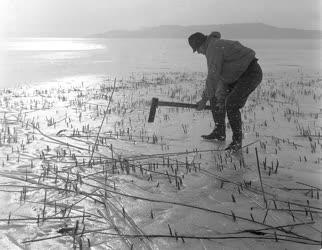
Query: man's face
[{"x": 202, "y": 49}]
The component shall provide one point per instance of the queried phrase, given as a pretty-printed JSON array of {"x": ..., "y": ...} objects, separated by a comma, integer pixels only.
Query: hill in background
[{"x": 243, "y": 30}]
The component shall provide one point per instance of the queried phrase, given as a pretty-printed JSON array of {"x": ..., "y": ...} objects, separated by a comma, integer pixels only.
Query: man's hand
[{"x": 201, "y": 104}]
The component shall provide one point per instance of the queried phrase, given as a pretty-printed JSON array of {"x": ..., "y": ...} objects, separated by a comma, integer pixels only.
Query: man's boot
[
  {"x": 235, "y": 122},
  {"x": 235, "y": 145},
  {"x": 219, "y": 133}
]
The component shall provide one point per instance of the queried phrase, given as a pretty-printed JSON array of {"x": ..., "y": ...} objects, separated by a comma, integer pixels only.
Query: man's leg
[
  {"x": 219, "y": 132},
  {"x": 237, "y": 98}
]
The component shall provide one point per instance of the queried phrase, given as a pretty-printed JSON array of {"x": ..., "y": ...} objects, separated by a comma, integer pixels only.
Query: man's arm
[{"x": 214, "y": 82}]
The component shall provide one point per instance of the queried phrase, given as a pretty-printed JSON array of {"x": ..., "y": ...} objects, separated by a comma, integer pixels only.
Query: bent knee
[{"x": 233, "y": 105}]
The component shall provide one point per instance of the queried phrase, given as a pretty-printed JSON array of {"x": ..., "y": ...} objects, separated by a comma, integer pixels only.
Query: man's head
[{"x": 196, "y": 40}]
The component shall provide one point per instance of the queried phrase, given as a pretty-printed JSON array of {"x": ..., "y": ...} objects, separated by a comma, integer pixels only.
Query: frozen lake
[{"x": 149, "y": 178}]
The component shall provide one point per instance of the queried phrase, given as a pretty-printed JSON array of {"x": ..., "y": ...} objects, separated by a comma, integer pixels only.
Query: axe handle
[{"x": 180, "y": 105}]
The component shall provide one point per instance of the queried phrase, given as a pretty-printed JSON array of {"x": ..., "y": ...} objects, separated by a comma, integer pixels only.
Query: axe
[{"x": 155, "y": 103}]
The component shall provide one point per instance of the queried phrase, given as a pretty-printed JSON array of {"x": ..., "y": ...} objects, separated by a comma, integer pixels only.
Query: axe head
[{"x": 153, "y": 108}]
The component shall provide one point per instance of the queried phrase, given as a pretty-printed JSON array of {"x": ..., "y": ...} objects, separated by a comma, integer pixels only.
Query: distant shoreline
[
  {"x": 237, "y": 31},
  {"x": 229, "y": 31},
  {"x": 151, "y": 38}
]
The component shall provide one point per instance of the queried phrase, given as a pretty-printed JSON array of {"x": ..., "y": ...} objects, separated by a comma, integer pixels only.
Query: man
[{"x": 233, "y": 74}]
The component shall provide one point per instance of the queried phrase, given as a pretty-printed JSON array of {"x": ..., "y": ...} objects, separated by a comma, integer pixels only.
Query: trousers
[{"x": 236, "y": 99}]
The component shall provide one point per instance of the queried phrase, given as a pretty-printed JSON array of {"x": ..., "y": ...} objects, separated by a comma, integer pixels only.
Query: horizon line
[{"x": 51, "y": 34}]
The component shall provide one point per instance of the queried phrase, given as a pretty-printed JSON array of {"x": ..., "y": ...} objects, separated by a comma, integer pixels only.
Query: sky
[{"x": 84, "y": 17}]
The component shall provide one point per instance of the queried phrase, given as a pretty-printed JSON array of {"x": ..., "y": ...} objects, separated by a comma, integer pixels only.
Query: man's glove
[{"x": 201, "y": 104}]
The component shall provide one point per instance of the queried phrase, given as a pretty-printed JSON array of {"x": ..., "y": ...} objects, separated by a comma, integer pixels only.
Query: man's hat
[{"x": 196, "y": 40}]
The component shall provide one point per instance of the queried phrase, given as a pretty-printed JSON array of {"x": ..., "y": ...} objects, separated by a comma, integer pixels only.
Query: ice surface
[{"x": 161, "y": 175}]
